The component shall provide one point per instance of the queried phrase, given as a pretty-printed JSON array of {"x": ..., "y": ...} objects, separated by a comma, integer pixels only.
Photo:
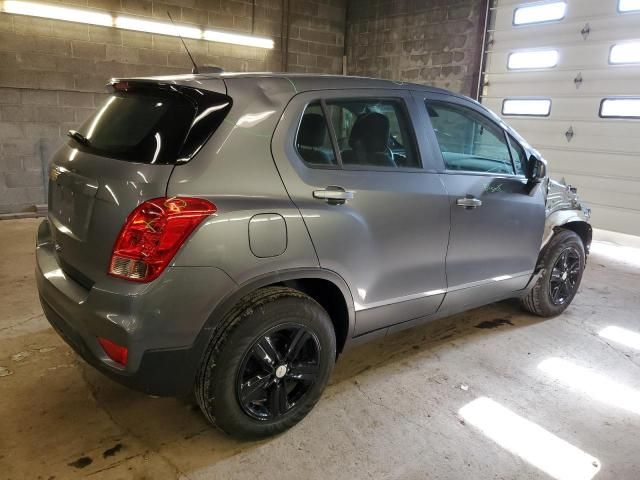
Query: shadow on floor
[{"x": 176, "y": 428}]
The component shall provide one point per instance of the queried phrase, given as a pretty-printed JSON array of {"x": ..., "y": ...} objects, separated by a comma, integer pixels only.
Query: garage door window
[
  {"x": 628, "y": 6},
  {"x": 533, "y": 59},
  {"x": 532, "y": 107},
  {"x": 539, "y": 13},
  {"x": 625, "y": 53},
  {"x": 468, "y": 141},
  {"x": 620, "y": 108}
]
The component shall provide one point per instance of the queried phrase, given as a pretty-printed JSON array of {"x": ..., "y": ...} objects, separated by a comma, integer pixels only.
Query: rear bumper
[{"x": 158, "y": 322}]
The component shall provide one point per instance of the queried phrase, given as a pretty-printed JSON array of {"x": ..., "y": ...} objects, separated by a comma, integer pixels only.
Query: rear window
[{"x": 153, "y": 125}]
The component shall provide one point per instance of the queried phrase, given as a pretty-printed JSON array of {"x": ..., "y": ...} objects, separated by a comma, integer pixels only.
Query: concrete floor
[{"x": 515, "y": 399}]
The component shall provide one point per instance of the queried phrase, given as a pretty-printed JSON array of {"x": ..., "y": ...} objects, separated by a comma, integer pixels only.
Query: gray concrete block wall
[
  {"x": 53, "y": 73},
  {"x": 434, "y": 42}
]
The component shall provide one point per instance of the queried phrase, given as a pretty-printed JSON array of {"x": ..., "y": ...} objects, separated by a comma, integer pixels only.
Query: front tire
[
  {"x": 269, "y": 366},
  {"x": 563, "y": 261}
]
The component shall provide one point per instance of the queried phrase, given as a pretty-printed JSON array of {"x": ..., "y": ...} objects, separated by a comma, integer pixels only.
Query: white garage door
[{"x": 566, "y": 76}]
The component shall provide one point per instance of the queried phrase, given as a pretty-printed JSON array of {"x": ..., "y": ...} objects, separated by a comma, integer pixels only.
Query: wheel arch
[
  {"x": 582, "y": 229},
  {"x": 574, "y": 220},
  {"x": 325, "y": 286}
]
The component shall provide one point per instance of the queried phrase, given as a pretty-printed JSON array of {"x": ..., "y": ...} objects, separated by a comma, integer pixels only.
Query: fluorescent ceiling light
[
  {"x": 56, "y": 12},
  {"x": 533, "y": 59},
  {"x": 238, "y": 39},
  {"x": 127, "y": 22},
  {"x": 161, "y": 28},
  {"x": 529, "y": 441},
  {"x": 620, "y": 107},
  {"x": 541, "y": 12},
  {"x": 540, "y": 107},
  {"x": 629, "y": 5},
  {"x": 625, "y": 53},
  {"x": 621, "y": 336}
]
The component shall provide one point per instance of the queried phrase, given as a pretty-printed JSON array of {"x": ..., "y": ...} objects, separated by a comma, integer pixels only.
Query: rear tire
[
  {"x": 268, "y": 367},
  {"x": 563, "y": 262}
]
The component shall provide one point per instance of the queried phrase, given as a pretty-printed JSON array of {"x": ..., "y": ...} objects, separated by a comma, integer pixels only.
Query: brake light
[
  {"x": 115, "y": 352},
  {"x": 152, "y": 235},
  {"x": 120, "y": 86}
]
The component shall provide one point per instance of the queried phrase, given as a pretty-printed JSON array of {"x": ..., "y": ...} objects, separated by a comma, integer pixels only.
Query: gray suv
[{"x": 231, "y": 234}]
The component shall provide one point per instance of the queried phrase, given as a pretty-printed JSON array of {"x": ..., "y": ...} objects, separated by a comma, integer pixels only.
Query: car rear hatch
[{"x": 120, "y": 157}]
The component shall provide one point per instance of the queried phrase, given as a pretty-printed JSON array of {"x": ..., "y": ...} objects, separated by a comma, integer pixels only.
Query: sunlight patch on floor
[{"x": 542, "y": 449}]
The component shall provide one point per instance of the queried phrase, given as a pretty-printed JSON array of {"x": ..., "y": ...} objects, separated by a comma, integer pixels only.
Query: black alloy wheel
[
  {"x": 561, "y": 264},
  {"x": 268, "y": 363},
  {"x": 278, "y": 371},
  {"x": 564, "y": 276}
]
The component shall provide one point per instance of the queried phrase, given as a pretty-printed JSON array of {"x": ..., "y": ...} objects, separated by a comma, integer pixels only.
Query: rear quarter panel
[{"x": 235, "y": 170}]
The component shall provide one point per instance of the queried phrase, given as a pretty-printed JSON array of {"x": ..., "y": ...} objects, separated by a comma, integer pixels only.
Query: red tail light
[
  {"x": 115, "y": 352},
  {"x": 152, "y": 235}
]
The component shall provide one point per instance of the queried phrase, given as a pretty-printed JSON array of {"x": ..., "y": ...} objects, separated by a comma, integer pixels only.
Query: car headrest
[
  {"x": 370, "y": 130},
  {"x": 313, "y": 130}
]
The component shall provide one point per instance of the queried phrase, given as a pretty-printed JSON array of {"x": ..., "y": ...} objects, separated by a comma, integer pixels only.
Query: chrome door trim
[{"x": 501, "y": 278}]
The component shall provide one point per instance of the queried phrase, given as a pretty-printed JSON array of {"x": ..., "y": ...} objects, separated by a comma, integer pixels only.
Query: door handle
[
  {"x": 333, "y": 195},
  {"x": 469, "y": 202}
]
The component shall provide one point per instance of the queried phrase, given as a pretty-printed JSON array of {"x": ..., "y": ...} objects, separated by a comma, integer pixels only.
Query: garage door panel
[
  {"x": 543, "y": 126},
  {"x": 612, "y": 185},
  {"x": 602, "y": 158},
  {"x": 585, "y": 143},
  {"x": 590, "y": 75},
  {"x": 576, "y": 11},
  {"x": 616, "y": 219},
  {"x": 571, "y": 57},
  {"x": 591, "y": 163},
  {"x": 599, "y": 196},
  {"x": 570, "y": 111},
  {"x": 606, "y": 30},
  {"x": 564, "y": 86}
]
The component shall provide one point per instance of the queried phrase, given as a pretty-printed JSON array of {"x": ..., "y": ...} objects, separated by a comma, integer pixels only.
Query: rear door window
[
  {"x": 313, "y": 140},
  {"x": 373, "y": 133}
]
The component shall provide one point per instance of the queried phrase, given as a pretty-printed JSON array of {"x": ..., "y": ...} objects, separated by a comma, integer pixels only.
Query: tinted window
[
  {"x": 519, "y": 156},
  {"x": 151, "y": 125},
  {"x": 373, "y": 132},
  {"x": 313, "y": 140},
  {"x": 468, "y": 140},
  {"x": 140, "y": 127}
]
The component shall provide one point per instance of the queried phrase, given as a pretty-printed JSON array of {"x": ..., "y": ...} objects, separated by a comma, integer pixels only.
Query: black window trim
[
  {"x": 332, "y": 134},
  {"x": 334, "y": 141},
  {"x": 513, "y": 140},
  {"x": 490, "y": 120}
]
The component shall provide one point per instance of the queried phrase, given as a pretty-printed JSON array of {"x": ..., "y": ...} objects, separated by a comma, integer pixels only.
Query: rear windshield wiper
[{"x": 78, "y": 137}]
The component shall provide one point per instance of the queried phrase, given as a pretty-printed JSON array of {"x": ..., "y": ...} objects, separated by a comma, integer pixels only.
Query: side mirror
[{"x": 537, "y": 169}]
